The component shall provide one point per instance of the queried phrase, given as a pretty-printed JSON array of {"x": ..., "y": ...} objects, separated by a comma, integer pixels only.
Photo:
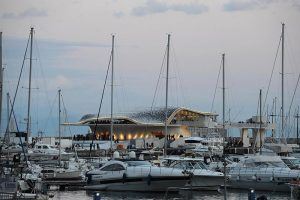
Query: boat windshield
[
  {"x": 138, "y": 163},
  {"x": 266, "y": 164},
  {"x": 295, "y": 161},
  {"x": 189, "y": 165}
]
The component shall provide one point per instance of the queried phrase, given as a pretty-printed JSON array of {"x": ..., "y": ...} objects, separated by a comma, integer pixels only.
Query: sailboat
[
  {"x": 262, "y": 172},
  {"x": 281, "y": 147},
  {"x": 65, "y": 170},
  {"x": 18, "y": 181}
]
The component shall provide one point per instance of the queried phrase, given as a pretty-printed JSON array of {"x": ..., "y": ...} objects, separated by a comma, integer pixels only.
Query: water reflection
[{"x": 181, "y": 195}]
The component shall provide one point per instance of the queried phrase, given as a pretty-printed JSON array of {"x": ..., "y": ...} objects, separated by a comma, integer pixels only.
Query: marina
[{"x": 85, "y": 143}]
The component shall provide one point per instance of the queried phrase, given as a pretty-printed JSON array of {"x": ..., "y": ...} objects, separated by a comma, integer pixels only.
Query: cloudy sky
[{"x": 72, "y": 45}]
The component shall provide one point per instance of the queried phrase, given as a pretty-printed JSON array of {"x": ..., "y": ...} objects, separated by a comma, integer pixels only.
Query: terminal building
[{"x": 181, "y": 122}]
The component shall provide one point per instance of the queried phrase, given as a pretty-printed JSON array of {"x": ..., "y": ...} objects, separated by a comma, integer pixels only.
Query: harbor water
[{"x": 231, "y": 195}]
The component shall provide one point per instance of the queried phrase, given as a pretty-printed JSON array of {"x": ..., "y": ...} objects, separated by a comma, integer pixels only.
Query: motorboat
[
  {"x": 291, "y": 162},
  {"x": 60, "y": 174},
  {"x": 262, "y": 172},
  {"x": 135, "y": 175},
  {"x": 201, "y": 176},
  {"x": 45, "y": 153},
  {"x": 68, "y": 171},
  {"x": 12, "y": 149},
  {"x": 205, "y": 146}
]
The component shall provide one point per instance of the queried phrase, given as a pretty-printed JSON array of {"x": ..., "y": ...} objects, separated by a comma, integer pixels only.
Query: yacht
[
  {"x": 68, "y": 170},
  {"x": 205, "y": 146},
  {"x": 262, "y": 172},
  {"x": 201, "y": 177},
  {"x": 291, "y": 162},
  {"x": 135, "y": 175},
  {"x": 47, "y": 154},
  {"x": 61, "y": 174},
  {"x": 12, "y": 149}
]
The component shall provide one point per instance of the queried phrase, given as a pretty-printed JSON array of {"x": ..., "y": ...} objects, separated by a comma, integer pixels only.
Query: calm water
[{"x": 234, "y": 195}]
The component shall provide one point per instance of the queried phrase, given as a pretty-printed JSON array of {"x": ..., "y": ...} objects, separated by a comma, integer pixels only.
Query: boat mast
[
  {"x": 224, "y": 130},
  {"x": 297, "y": 125},
  {"x": 273, "y": 115},
  {"x": 223, "y": 90},
  {"x": 29, "y": 86},
  {"x": 282, "y": 81},
  {"x": 167, "y": 92},
  {"x": 1, "y": 80},
  {"x": 260, "y": 122},
  {"x": 112, "y": 92},
  {"x": 8, "y": 120},
  {"x": 59, "y": 127}
]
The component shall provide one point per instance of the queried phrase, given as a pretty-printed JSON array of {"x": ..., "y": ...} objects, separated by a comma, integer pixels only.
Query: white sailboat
[{"x": 65, "y": 170}]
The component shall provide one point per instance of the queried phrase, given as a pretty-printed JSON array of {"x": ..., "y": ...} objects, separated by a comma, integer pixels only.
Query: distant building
[{"x": 151, "y": 123}]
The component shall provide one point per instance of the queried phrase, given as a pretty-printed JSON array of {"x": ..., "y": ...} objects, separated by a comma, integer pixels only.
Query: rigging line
[
  {"x": 42, "y": 70},
  {"x": 177, "y": 72},
  {"x": 117, "y": 83},
  {"x": 290, "y": 51},
  {"x": 213, "y": 101},
  {"x": 65, "y": 110},
  {"x": 294, "y": 93},
  {"x": 176, "y": 76},
  {"x": 102, "y": 96},
  {"x": 157, "y": 83},
  {"x": 50, "y": 113},
  {"x": 122, "y": 99},
  {"x": 237, "y": 114},
  {"x": 18, "y": 84},
  {"x": 17, "y": 127},
  {"x": 274, "y": 63}
]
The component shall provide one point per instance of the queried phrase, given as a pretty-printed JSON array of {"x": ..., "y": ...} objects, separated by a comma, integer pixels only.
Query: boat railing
[
  {"x": 6, "y": 195},
  {"x": 265, "y": 171}
]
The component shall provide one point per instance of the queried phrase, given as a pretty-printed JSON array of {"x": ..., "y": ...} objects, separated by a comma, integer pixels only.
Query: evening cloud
[
  {"x": 30, "y": 12},
  {"x": 154, "y": 7}
]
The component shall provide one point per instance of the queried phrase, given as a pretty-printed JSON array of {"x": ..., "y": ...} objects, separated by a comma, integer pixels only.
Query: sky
[{"x": 72, "y": 44}]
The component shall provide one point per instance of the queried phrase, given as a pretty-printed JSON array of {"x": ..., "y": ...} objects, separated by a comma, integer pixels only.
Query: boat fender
[
  {"x": 272, "y": 178},
  {"x": 254, "y": 177},
  {"x": 149, "y": 177},
  {"x": 124, "y": 177},
  {"x": 238, "y": 178}
]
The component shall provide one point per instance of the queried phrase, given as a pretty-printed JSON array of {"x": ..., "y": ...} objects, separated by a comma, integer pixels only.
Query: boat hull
[
  {"x": 72, "y": 175},
  {"x": 206, "y": 182},
  {"x": 264, "y": 186},
  {"x": 154, "y": 184}
]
